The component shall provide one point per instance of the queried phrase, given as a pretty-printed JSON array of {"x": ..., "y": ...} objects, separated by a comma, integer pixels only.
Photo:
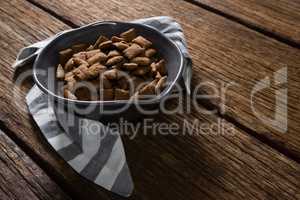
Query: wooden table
[{"x": 237, "y": 41}]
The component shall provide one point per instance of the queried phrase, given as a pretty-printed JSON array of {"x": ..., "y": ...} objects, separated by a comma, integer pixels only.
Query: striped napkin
[{"x": 96, "y": 154}]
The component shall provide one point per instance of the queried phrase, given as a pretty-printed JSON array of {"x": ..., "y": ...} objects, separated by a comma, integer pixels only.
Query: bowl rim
[{"x": 157, "y": 99}]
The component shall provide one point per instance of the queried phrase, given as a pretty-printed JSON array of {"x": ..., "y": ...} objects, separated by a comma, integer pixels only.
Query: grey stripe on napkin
[{"x": 96, "y": 155}]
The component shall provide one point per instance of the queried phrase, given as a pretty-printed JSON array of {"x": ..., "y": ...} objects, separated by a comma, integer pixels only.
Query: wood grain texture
[
  {"x": 225, "y": 54},
  {"x": 21, "y": 178},
  {"x": 199, "y": 165},
  {"x": 281, "y": 17}
]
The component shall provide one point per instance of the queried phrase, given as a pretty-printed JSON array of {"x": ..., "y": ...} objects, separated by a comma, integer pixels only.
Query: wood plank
[
  {"x": 21, "y": 178},
  {"x": 225, "y": 54},
  {"x": 196, "y": 166},
  {"x": 281, "y": 17}
]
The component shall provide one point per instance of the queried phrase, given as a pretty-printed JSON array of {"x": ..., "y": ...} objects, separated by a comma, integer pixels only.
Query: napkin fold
[{"x": 89, "y": 147}]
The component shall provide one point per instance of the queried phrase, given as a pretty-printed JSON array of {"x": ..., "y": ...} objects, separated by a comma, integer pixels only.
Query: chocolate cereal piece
[
  {"x": 91, "y": 53},
  {"x": 79, "y": 61},
  {"x": 143, "y": 42},
  {"x": 133, "y": 51},
  {"x": 129, "y": 66},
  {"x": 114, "y": 60},
  {"x": 97, "y": 58},
  {"x": 106, "y": 94},
  {"x": 104, "y": 82},
  {"x": 141, "y": 60},
  {"x": 121, "y": 45},
  {"x": 83, "y": 93},
  {"x": 90, "y": 48},
  {"x": 141, "y": 71},
  {"x": 123, "y": 83},
  {"x": 81, "y": 72},
  {"x": 116, "y": 39},
  {"x": 158, "y": 67},
  {"x": 150, "y": 52},
  {"x": 112, "y": 74},
  {"x": 128, "y": 35},
  {"x": 161, "y": 84},
  {"x": 69, "y": 65},
  {"x": 60, "y": 73},
  {"x": 105, "y": 45},
  {"x": 158, "y": 75},
  {"x": 113, "y": 53},
  {"x": 96, "y": 69},
  {"x": 68, "y": 94},
  {"x": 100, "y": 39},
  {"x": 80, "y": 55},
  {"x": 148, "y": 89},
  {"x": 121, "y": 94}
]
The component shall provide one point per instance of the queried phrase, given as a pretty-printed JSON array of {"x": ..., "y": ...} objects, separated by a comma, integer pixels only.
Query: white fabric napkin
[{"x": 97, "y": 155}]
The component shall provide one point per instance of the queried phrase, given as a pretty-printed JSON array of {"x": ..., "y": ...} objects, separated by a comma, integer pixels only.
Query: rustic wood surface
[
  {"x": 278, "y": 17},
  {"x": 224, "y": 53},
  {"x": 21, "y": 178},
  {"x": 197, "y": 166}
]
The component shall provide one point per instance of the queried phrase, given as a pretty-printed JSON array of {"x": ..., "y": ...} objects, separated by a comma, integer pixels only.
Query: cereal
[
  {"x": 80, "y": 55},
  {"x": 96, "y": 69},
  {"x": 150, "y": 52},
  {"x": 158, "y": 75},
  {"x": 133, "y": 51},
  {"x": 143, "y": 42},
  {"x": 81, "y": 72},
  {"x": 97, "y": 58},
  {"x": 112, "y": 74},
  {"x": 141, "y": 71},
  {"x": 114, "y": 60},
  {"x": 123, "y": 83},
  {"x": 106, "y": 94},
  {"x": 84, "y": 94},
  {"x": 60, "y": 73},
  {"x": 69, "y": 65},
  {"x": 128, "y": 35},
  {"x": 121, "y": 94},
  {"x": 158, "y": 67},
  {"x": 161, "y": 84},
  {"x": 91, "y": 47},
  {"x": 100, "y": 39},
  {"x": 141, "y": 60},
  {"x": 148, "y": 89},
  {"x": 105, "y": 45},
  {"x": 117, "y": 68},
  {"x": 68, "y": 94},
  {"x": 91, "y": 53},
  {"x": 116, "y": 39},
  {"x": 121, "y": 45},
  {"x": 104, "y": 82},
  {"x": 129, "y": 66},
  {"x": 113, "y": 53},
  {"x": 79, "y": 61}
]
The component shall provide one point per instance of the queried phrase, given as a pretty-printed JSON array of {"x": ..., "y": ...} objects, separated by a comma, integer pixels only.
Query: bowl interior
[{"x": 48, "y": 59}]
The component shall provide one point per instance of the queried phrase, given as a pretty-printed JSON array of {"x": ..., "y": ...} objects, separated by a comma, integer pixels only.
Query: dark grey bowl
[{"x": 46, "y": 62}]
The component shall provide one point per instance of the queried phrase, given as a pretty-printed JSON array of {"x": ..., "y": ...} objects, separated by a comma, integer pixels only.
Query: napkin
[{"x": 95, "y": 153}]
